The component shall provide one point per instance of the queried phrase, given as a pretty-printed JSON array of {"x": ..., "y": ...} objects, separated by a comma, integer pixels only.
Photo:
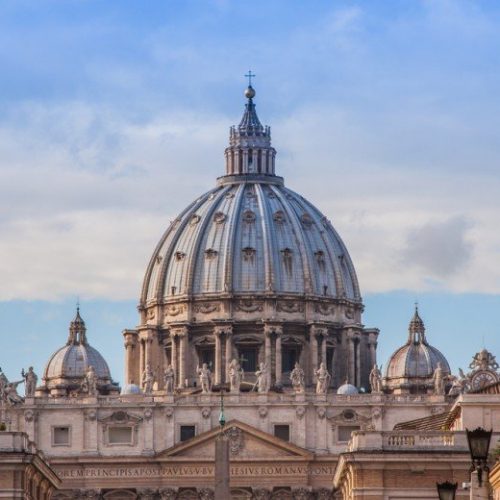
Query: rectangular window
[
  {"x": 187, "y": 432},
  {"x": 344, "y": 432},
  {"x": 120, "y": 435},
  {"x": 60, "y": 436},
  {"x": 282, "y": 431},
  {"x": 248, "y": 359}
]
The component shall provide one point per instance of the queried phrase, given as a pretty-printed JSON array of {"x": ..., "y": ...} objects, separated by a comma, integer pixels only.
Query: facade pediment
[{"x": 245, "y": 442}]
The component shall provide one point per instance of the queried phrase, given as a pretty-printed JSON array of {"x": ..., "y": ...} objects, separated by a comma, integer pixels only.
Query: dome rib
[
  {"x": 233, "y": 223},
  {"x": 200, "y": 266},
  {"x": 351, "y": 275},
  {"x": 171, "y": 274},
  {"x": 149, "y": 279},
  {"x": 271, "y": 273},
  {"x": 299, "y": 241}
]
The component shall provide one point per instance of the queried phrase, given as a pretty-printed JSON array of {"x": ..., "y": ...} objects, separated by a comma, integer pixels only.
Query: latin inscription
[{"x": 195, "y": 471}]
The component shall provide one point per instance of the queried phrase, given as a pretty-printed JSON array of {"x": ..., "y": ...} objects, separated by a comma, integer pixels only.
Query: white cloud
[
  {"x": 439, "y": 249},
  {"x": 85, "y": 199}
]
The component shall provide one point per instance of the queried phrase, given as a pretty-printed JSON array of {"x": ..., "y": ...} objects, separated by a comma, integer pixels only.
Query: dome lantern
[{"x": 250, "y": 150}]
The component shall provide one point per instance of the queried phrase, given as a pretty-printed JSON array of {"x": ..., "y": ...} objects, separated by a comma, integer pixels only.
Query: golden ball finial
[{"x": 250, "y": 92}]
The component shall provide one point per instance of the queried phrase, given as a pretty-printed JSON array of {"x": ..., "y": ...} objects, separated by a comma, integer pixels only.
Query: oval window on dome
[
  {"x": 194, "y": 219},
  {"x": 219, "y": 217},
  {"x": 306, "y": 220},
  {"x": 248, "y": 216},
  {"x": 279, "y": 217}
]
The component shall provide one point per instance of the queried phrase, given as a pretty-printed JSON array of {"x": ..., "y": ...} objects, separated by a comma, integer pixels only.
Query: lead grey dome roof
[
  {"x": 247, "y": 237},
  {"x": 250, "y": 234},
  {"x": 72, "y": 361},
  {"x": 417, "y": 359}
]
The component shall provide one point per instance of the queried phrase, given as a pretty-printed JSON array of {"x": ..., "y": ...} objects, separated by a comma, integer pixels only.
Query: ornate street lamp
[
  {"x": 446, "y": 490},
  {"x": 479, "y": 445}
]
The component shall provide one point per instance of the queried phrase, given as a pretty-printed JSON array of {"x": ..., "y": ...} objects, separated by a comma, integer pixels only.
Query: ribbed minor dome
[
  {"x": 68, "y": 366},
  {"x": 413, "y": 364},
  {"x": 251, "y": 236},
  {"x": 73, "y": 361}
]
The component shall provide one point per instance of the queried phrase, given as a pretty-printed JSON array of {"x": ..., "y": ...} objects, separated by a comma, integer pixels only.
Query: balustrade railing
[{"x": 407, "y": 440}]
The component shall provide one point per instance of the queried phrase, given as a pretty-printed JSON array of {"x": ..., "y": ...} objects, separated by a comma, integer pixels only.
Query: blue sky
[{"x": 115, "y": 114}]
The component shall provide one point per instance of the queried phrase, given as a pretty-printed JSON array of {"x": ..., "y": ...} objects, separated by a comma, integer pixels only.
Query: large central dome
[
  {"x": 250, "y": 234},
  {"x": 251, "y": 271}
]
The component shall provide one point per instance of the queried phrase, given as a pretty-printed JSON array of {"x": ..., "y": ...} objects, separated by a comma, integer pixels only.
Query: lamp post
[
  {"x": 446, "y": 490},
  {"x": 479, "y": 445}
]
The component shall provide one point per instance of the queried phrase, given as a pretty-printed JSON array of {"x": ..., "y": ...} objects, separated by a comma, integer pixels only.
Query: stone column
[
  {"x": 323, "y": 347},
  {"x": 313, "y": 347},
  {"x": 229, "y": 352},
  {"x": 183, "y": 337},
  {"x": 335, "y": 370},
  {"x": 130, "y": 337},
  {"x": 267, "y": 344},
  {"x": 148, "y": 349},
  {"x": 218, "y": 356},
  {"x": 372, "y": 342},
  {"x": 350, "y": 357},
  {"x": 357, "y": 350},
  {"x": 173, "y": 357},
  {"x": 278, "y": 366}
]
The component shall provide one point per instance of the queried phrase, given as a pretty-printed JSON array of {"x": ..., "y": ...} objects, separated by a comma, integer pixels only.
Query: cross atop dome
[{"x": 250, "y": 75}]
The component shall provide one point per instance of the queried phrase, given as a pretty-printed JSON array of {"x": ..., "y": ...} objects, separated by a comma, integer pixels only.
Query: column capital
[
  {"x": 318, "y": 330},
  {"x": 353, "y": 334},
  {"x": 223, "y": 330},
  {"x": 179, "y": 331},
  {"x": 270, "y": 328},
  {"x": 130, "y": 337}
]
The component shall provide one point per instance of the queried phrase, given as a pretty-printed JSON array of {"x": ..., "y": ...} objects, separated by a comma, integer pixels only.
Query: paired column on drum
[
  {"x": 273, "y": 331},
  {"x": 217, "y": 356},
  {"x": 372, "y": 343},
  {"x": 354, "y": 359},
  {"x": 317, "y": 333},
  {"x": 229, "y": 350},
  {"x": 222, "y": 332},
  {"x": 131, "y": 368},
  {"x": 179, "y": 338}
]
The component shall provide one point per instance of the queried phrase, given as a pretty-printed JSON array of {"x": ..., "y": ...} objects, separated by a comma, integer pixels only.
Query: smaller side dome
[
  {"x": 347, "y": 389},
  {"x": 67, "y": 369},
  {"x": 411, "y": 367}
]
